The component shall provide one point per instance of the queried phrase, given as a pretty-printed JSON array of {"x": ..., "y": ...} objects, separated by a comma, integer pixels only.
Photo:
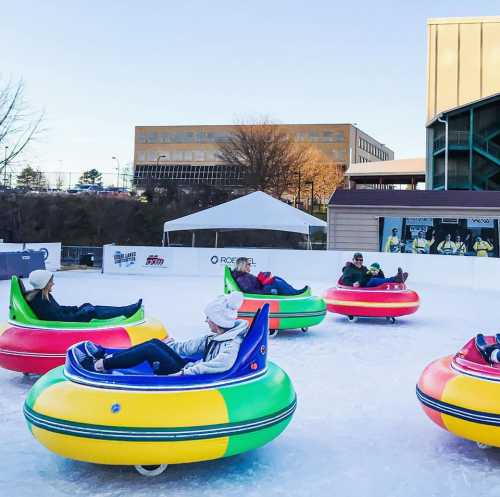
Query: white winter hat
[
  {"x": 223, "y": 311},
  {"x": 39, "y": 278}
]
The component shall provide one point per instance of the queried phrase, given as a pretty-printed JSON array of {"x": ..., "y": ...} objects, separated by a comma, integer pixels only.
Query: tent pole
[
  {"x": 216, "y": 238},
  {"x": 168, "y": 239},
  {"x": 309, "y": 245},
  {"x": 193, "y": 238},
  {"x": 163, "y": 240}
]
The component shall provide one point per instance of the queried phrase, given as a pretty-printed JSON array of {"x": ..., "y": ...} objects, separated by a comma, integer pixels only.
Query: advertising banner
[
  {"x": 444, "y": 236},
  {"x": 137, "y": 260},
  {"x": 212, "y": 261}
]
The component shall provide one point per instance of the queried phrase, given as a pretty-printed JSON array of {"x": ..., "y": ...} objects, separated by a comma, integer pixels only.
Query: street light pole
[
  {"x": 445, "y": 122},
  {"x": 5, "y": 166},
  {"x": 158, "y": 159},
  {"x": 118, "y": 169},
  {"x": 298, "y": 194},
  {"x": 312, "y": 195}
]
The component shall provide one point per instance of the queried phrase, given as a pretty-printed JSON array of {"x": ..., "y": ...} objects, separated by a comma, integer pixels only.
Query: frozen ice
[{"x": 358, "y": 429}]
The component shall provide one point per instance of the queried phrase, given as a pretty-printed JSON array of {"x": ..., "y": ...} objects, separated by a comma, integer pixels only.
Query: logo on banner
[
  {"x": 420, "y": 221},
  {"x": 154, "y": 261},
  {"x": 480, "y": 223},
  {"x": 123, "y": 259},
  {"x": 225, "y": 260}
]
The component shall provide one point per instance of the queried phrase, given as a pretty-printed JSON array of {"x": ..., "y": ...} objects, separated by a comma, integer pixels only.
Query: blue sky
[{"x": 100, "y": 68}]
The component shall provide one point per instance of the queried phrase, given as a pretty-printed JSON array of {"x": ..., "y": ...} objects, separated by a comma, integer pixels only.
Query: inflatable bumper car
[
  {"x": 285, "y": 311},
  {"x": 461, "y": 394},
  {"x": 390, "y": 300},
  {"x": 30, "y": 345},
  {"x": 134, "y": 417}
]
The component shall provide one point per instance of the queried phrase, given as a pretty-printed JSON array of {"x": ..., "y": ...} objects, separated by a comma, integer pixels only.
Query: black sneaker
[
  {"x": 93, "y": 350},
  {"x": 134, "y": 308},
  {"x": 483, "y": 348},
  {"x": 400, "y": 276},
  {"x": 86, "y": 362}
]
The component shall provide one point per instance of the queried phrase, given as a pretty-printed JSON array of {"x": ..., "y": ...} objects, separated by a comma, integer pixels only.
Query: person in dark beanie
[{"x": 355, "y": 274}]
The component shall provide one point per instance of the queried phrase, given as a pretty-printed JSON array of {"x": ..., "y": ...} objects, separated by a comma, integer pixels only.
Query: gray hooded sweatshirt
[{"x": 220, "y": 351}]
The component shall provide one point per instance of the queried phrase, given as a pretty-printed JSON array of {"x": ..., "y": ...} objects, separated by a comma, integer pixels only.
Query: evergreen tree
[{"x": 91, "y": 177}]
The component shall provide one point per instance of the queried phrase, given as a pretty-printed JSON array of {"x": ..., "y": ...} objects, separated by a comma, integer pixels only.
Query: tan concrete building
[
  {"x": 188, "y": 154},
  {"x": 463, "y": 61}
]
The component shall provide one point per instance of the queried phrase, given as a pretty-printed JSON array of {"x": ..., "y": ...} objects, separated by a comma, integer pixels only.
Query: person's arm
[
  {"x": 440, "y": 247},
  {"x": 414, "y": 246},
  {"x": 223, "y": 361},
  {"x": 248, "y": 283},
  {"x": 388, "y": 245},
  {"x": 433, "y": 239},
  {"x": 348, "y": 276},
  {"x": 63, "y": 308},
  {"x": 49, "y": 310}
]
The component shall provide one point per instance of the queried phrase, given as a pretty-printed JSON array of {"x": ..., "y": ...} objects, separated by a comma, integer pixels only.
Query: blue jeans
[
  {"x": 162, "y": 359},
  {"x": 105, "y": 311},
  {"x": 380, "y": 281},
  {"x": 281, "y": 286}
]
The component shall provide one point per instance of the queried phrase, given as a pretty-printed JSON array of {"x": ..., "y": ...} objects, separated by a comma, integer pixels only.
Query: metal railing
[
  {"x": 487, "y": 145},
  {"x": 81, "y": 255},
  {"x": 462, "y": 138}
]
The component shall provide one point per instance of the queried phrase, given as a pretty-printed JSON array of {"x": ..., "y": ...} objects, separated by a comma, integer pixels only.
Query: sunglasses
[{"x": 359, "y": 260}]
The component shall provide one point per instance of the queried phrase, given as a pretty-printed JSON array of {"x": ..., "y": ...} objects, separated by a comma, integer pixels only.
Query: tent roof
[{"x": 256, "y": 210}]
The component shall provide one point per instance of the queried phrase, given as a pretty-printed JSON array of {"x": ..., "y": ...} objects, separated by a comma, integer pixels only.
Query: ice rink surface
[{"x": 358, "y": 429}]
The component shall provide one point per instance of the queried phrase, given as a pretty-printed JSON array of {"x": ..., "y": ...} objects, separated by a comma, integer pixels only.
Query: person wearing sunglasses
[{"x": 355, "y": 274}]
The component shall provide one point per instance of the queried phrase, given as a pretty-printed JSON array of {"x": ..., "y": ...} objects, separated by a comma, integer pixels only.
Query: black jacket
[
  {"x": 352, "y": 274},
  {"x": 50, "y": 310}
]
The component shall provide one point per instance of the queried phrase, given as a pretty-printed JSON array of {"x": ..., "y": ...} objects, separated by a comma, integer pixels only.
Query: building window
[
  {"x": 152, "y": 138},
  {"x": 339, "y": 137},
  {"x": 141, "y": 156},
  {"x": 141, "y": 138}
]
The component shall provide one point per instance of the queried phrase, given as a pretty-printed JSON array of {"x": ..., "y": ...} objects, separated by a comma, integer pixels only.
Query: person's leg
[
  {"x": 109, "y": 312},
  {"x": 380, "y": 281},
  {"x": 283, "y": 287},
  {"x": 158, "y": 354}
]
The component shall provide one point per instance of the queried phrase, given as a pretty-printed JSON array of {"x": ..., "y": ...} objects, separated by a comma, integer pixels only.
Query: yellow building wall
[
  {"x": 463, "y": 61},
  {"x": 337, "y": 151}
]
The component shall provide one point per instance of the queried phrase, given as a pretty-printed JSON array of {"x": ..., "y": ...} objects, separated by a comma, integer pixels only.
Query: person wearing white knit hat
[
  {"x": 46, "y": 307},
  {"x": 218, "y": 350}
]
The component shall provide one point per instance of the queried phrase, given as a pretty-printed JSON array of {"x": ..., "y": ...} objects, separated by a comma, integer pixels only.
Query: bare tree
[
  {"x": 18, "y": 126},
  {"x": 267, "y": 154}
]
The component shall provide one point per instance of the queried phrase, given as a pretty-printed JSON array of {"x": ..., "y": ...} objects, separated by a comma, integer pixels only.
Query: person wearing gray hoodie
[{"x": 218, "y": 350}]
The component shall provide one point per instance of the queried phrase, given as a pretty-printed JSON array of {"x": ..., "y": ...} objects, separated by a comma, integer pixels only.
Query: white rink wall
[{"x": 479, "y": 273}]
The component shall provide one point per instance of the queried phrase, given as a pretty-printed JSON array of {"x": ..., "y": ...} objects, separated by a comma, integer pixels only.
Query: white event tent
[{"x": 255, "y": 211}]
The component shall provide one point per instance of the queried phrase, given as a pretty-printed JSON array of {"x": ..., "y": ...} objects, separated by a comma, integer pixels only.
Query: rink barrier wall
[
  {"x": 300, "y": 265},
  {"x": 52, "y": 250}
]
